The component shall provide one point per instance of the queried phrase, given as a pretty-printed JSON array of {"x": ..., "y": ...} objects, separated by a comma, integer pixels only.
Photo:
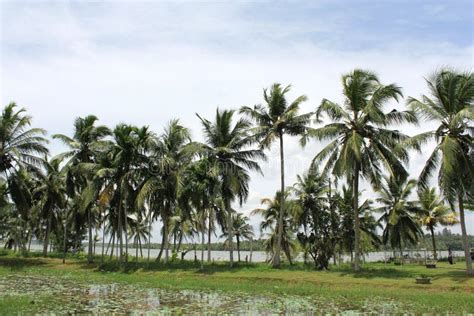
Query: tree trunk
[
  {"x": 180, "y": 241},
  {"x": 276, "y": 256},
  {"x": 251, "y": 249},
  {"x": 356, "y": 219},
  {"x": 203, "y": 241},
  {"x": 103, "y": 241},
  {"x": 209, "y": 240},
  {"x": 163, "y": 239},
  {"x": 149, "y": 235},
  {"x": 120, "y": 226},
  {"x": 46, "y": 237},
  {"x": 238, "y": 247},
  {"x": 65, "y": 243},
  {"x": 230, "y": 224},
  {"x": 435, "y": 254},
  {"x": 89, "y": 223},
  {"x": 465, "y": 241},
  {"x": 126, "y": 232},
  {"x": 113, "y": 245}
]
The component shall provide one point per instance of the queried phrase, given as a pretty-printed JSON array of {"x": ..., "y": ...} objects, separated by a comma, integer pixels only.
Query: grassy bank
[{"x": 451, "y": 290}]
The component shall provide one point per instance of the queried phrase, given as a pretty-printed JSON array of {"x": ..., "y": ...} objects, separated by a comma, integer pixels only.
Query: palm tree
[
  {"x": 20, "y": 146},
  {"x": 433, "y": 212},
  {"x": 399, "y": 213},
  {"x": 52, "y": 197},
  {"x": 84, "y": 145},
  {"x": 227, "y": 147},
  {"x": 273, "y": 121},
  {"x": 271, "y": 215},
  {"x": 451, "y": 105},
  {"x": 163, "y": 182},
  {"x": 361, "y": 145},
  {"x": 241, "y": 229}
]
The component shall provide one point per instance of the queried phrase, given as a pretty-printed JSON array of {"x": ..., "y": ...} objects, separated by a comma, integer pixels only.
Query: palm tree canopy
[
  {"x": 451, "y": 104},
  {"x": 358, "y": 133},
  {"x": 20, "y": 145},
  {"x": 277, "y": 116},
  {"x": 433, "y": 211}
]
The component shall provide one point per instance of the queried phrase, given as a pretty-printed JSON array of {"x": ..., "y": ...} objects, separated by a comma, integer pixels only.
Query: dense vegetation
[{"x": 117, "y": 182}]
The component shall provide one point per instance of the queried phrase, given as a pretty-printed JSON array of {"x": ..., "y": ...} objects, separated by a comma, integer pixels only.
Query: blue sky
[{"x": 146, "y": 62}]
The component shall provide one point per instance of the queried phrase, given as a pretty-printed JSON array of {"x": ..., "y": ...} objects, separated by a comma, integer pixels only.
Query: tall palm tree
[
  {"x": 87, "y": 140},
  {"x": 272, "y": 121},
  {"x": 361, "y": 145},
  {"x": 162, "y": 185},
  {"x": 20, "y": 146},
  {"x": 433, "y": 212},
  {"x": 271, "y": 215},
  {"x": 227, "y": 147},
  {"x": 52, "y": 197},
  {"x": 451, "y": 104},
  {"x": 399, "y": 213}
]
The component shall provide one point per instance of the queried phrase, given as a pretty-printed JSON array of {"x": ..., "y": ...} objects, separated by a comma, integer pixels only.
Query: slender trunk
[
  {"x": 113, "y": 245},
  {"x": 435, "y": 254},
  {"x": 238, "y": 247},
  {"x": 167, "y": 240},
  {"x": 209, "y": 240},
  {"x": 89, "y": 223},
  {"x": 203, "y": 241},
  {"x": 103, "y": 241},
  {"x": 149, "y": 236},
  {"x": 356, "y": 219},
  {"x": 65, "y": 243},
  {"x": 46, "y": 237},
  {"x": 136, "y": 250},
  {"x": 29, "y": 242},
  {"x": 230, "y": 224},
  {"x": 276, "y": 256},
  {"x": 180, "y": 241},
  {"x": 251, "y": 249},
  {"x": 119, "y": 230},
  {"x": 465, "y": 241},
  {"x": 163, "y": 239},
  {"x": 140, "y": 245},
  {"x": 108, "y": 245},
  {"x": 126, "y": 232}
]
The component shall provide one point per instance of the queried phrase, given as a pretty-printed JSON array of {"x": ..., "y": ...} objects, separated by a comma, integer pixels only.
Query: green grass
[{"x": 451, "y": 290}]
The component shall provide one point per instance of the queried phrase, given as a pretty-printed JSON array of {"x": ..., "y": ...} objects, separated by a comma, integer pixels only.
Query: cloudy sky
[{"x": 146, "y": 62}]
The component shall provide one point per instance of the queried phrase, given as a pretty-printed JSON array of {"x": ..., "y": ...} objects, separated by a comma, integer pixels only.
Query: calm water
[{"x": 261, "y": 256}]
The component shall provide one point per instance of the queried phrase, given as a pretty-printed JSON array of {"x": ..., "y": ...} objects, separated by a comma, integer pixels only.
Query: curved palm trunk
[
  {"x": 230, "y": 232},
  {"x": 46, "y": 237},
  {"x": 276, "y": 256},
  {"x": 103, "y": 241},
  {"x": 356, "y": 219},
  {"x": 164, "y": 239},
  {"x": 433, "y": 240},
  {"x": 89, "y": 223},
  {"x": 465, "y": 242},
  {"x": 149, "y": 237}
]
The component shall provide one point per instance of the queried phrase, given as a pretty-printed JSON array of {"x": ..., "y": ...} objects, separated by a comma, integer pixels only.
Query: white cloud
[{"x": 125, "y": 63}]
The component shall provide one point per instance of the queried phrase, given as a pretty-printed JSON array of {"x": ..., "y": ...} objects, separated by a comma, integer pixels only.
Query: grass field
[{"x": 378, "y": 284}]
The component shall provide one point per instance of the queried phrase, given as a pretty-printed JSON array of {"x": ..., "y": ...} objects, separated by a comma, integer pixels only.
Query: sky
[{"x": 147, "y": 62}]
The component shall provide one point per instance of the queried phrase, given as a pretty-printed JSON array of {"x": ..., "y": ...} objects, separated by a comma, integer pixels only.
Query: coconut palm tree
[
  {"x": 433, "y": 211},
  {"x": 51, "y": 194},
  {"x": 399, "y": 213},
  {"x": 20, "y": 146},
  {"x": 241, "y": 229},
  {"x": 162, "y": 185},
  {"x": 86, "y": 142},
  {"x": 227, "y": 147},
  {"x": 271, "y": 216},
  {"x": 272, "y": 121},
  {"x": 361, "y": 144},
  {"x": 451, "y": 104}
]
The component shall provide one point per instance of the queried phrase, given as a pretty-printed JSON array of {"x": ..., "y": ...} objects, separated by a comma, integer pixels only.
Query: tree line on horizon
[{"x": 121, "y": 181}]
